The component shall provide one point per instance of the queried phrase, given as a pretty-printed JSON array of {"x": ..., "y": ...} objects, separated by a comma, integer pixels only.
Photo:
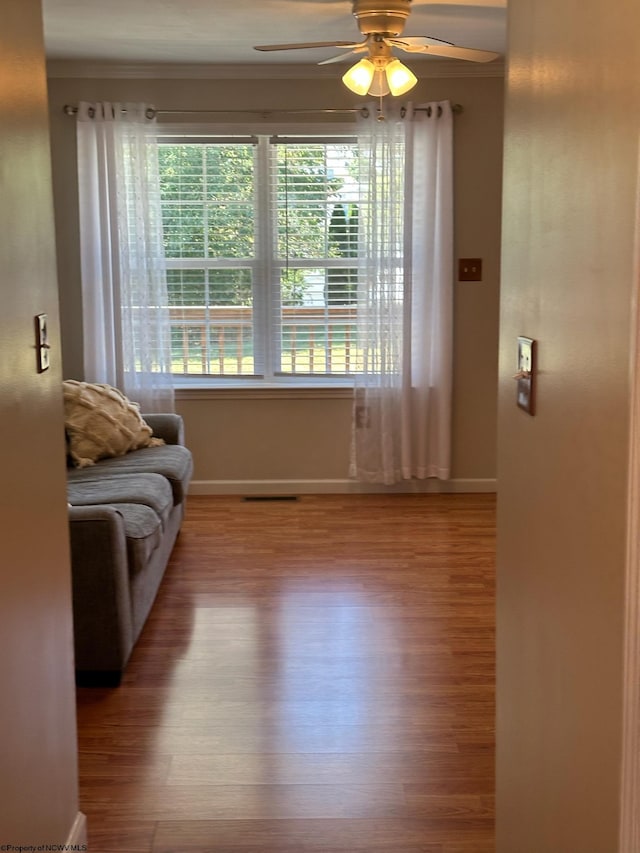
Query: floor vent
[{"x": 270, "y": 498}]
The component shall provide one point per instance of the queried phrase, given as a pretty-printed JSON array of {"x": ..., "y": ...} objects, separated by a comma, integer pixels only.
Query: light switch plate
[
  {"x": 526, "y": 374},
  {"x": 42, "y": 343}
]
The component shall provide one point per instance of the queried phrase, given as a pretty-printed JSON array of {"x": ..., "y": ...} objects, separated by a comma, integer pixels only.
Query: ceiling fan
[{"x": 380, "y": 73}]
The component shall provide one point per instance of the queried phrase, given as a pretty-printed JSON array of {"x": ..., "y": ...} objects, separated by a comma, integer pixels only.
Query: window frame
[{"x": 269, "y": 382}]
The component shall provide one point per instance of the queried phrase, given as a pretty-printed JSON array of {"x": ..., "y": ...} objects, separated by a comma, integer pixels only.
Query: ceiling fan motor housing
[{"x": 387, "y": 17}]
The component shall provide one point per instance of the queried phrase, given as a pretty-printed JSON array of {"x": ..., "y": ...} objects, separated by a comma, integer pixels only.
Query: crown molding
[{"x": 423, "y": 68}]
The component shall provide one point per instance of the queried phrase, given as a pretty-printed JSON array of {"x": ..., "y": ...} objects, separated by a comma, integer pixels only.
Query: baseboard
[
  {"x": 339, "y": 487},
  {"x": 77, "y": 839}
]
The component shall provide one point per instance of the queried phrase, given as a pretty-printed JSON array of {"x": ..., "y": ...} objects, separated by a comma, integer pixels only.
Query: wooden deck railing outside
[{"x": 219, "y": 340}]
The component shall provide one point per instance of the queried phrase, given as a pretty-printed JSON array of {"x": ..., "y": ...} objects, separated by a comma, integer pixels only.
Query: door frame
[{"x": 630, "y": 766}]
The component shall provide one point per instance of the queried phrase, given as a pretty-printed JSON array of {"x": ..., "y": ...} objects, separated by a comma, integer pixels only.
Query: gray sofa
[{"x": 124, "y": 516}]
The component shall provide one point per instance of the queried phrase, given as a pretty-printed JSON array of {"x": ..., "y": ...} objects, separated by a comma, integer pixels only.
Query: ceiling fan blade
[
  {"x": 415, "y": 41},
  {"x": 450, "y": 51},
  {"x": 360, "y": 49},
  {"x": 304, "y": 46}
]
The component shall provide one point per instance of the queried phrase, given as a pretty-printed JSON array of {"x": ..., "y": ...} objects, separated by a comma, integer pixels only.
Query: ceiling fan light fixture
[
  {"x": 360, "y": 76},
  {"x": 379, "y": 86},
  {"x": 379, "y": 77},
  {"x": 399, "y": 78}
]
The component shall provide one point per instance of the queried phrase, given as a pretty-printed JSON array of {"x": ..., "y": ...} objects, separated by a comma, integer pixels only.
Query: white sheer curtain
[
  {"x": 126, "y": 327},
  {"x": 402, "y": 408}
]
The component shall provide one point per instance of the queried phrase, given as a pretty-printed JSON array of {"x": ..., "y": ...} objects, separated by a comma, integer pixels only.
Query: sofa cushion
[
  {"x": 173, "y": 461},
  {"x": 149, "y": 490},
  {"x": 101, "y": 422}
]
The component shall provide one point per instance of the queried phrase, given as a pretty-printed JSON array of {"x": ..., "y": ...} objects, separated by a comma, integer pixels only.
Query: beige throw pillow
[{"x": 100, "y": 422}]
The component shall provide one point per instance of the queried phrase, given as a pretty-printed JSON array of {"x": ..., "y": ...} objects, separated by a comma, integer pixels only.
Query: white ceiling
[{"x": 216, "y": 32}]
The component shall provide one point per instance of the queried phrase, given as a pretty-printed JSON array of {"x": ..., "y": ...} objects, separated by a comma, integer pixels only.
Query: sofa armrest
[
  {"x": 103, "y": 633},
  {"x": 169, "y": 426}
]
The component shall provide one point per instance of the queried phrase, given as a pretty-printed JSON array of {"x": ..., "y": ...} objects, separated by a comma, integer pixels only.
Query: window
[{"x": 261, "y": 245}]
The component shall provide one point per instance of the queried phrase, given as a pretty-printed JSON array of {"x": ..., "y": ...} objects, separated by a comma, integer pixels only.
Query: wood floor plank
[
  {"x": 432, "y": 774},
  {"x": 248, "y": 802},
  {"x": 399, "y": 835},
  {"x": 252, "y": 740},
  {"x": 115, "y": 834},
  {"x": 315, "y": 675}
]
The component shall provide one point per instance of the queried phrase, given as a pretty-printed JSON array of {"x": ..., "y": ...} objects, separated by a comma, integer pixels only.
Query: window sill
[{"x": 264, "y": 391}]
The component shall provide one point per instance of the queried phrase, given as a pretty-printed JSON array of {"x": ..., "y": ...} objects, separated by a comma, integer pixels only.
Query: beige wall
[
  {"x": 303, "y": 442},
  {"x": 571, "y": 138},
  {"x": 38, "y": 782}
]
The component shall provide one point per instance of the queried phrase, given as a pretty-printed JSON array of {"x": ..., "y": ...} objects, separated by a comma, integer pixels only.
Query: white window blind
[
  {"x": 315, "y": 205},
  {"x": 261, "y": 241},
  {"x": 208, "y": 201}
]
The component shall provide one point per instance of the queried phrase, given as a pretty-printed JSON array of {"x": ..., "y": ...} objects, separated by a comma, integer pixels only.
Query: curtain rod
[{"x": 70, "y": 110}]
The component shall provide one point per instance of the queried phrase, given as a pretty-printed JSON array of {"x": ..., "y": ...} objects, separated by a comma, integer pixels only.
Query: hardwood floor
[{"x": 316, "y": 675}]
